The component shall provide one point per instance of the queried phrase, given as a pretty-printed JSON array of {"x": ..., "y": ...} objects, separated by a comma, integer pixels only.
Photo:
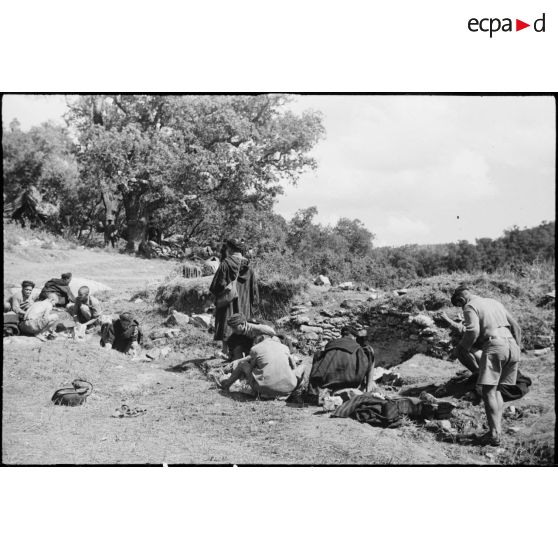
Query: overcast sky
[{"x": 413, "y": 169}]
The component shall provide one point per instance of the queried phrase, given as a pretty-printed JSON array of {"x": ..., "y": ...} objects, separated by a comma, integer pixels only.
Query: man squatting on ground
[
  {"x": 490, "y": 349},
  {"x": 86, "y": 307},
  {"x": 40, "y": 320}
]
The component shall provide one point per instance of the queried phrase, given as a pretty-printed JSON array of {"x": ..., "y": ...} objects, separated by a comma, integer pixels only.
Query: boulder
[
  {"x": 301, "y": 320},
  {"x": 422, "y": 320},
  {"x": 201, "y": 321},
  {"x": 351, "y": 303},
  {"x": 323, "y": 281},
  {"x": 327, "y": 313},
  {"x": 347, "y": 285},
  {"x": 311, "y": 336},
  {"x": 177, "y": 319}
]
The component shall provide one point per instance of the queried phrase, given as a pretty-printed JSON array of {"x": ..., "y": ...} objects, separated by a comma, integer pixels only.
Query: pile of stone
[{"x": 313, "y": 329}]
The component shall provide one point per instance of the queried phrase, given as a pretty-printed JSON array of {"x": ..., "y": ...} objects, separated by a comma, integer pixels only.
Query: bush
[
  {"x": 185, "y": 295},
  {"x": 277, "y": 294}
]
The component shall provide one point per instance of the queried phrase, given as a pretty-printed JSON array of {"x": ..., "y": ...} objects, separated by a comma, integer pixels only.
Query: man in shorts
[{"x": 490, "y": 328}]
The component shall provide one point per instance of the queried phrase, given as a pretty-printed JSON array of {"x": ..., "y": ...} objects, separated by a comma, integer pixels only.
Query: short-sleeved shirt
[
  {"x": 271, "y": 369},
  {"x": 481, "y": 316}
]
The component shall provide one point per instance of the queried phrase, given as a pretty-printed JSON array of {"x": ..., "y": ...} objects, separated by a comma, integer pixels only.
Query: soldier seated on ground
[
  {"x": 86, "y": 308},
  {"x": 240, "y": 342},
  {"x": 21, "y": 301},
  {"x": 61, "y": 288},
  {"x": 123, "y": 334},
  {"x": 343, "y": 363},
  {"x": 270, "y": 369},
  {"x": 40, "y": 320}
]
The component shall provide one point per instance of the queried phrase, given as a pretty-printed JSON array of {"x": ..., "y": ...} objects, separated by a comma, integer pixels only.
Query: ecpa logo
[{"x": 494, "y": 24}]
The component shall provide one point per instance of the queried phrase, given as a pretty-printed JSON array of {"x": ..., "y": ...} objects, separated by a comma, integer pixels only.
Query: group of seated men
[
  {"x": 264, "y": 360},
  {"x": 43, "y": 314}
]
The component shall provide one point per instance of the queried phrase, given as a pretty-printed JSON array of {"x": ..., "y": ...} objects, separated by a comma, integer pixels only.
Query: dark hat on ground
[
  {"x": 235, "y": 244},
  {"x": 27, "y": 284},
  {"x": 236, "y": 320},
  {"x": 66, "y": 276}
]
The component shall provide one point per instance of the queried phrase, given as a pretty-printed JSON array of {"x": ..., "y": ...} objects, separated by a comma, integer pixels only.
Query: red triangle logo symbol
[{"x": 519, "y": 25}]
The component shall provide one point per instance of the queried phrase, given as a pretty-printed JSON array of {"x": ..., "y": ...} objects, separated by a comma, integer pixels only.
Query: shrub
[{"x": 277, "y": 294}]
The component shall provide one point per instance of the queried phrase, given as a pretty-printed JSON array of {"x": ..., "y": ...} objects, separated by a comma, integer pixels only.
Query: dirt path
[{"x": 187, "y": 419}]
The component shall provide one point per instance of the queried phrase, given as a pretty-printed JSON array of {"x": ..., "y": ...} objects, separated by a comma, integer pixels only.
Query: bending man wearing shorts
[{"x": 490, "y": 328}]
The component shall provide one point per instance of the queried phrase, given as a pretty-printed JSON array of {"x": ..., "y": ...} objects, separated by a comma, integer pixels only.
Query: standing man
[
  {"x": 492, "y": 330},
  {"x": 22, "y": 300},
  {"x": 61, "y": 288}
]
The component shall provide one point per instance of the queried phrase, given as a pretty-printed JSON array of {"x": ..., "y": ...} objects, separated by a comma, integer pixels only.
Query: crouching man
[
  {"x": 40, "y": 319},
  {"x": 270, "y": 369},
  {"x": 343, "y": 363},
  {"x": 123, "y": 334},
  {"x": 490, "y": 349},
  {"x": 240, "y": 342},
  {"x": 86, "y": 307}
]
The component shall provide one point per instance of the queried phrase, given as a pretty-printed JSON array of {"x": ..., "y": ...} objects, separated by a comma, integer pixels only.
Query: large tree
[
  {"x": 39, "y": 168},
  {"x": 194, "y": 162}
]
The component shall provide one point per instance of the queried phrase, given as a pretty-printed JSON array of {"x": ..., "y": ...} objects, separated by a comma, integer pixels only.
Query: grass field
[{"x": 187, "y": 419}]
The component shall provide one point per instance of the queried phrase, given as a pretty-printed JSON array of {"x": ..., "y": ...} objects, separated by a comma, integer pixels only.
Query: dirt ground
[{"x": 188, "y": 420}]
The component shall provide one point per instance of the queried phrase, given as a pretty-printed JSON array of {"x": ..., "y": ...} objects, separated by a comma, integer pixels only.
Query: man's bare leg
[
  {"x": 239, "y": 369},
  {"x": 468, "y": 359},
  {"x": 492, "y": 407}
]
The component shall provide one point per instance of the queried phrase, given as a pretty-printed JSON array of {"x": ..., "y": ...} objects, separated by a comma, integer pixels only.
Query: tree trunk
[{"x": 135, "y": 234}]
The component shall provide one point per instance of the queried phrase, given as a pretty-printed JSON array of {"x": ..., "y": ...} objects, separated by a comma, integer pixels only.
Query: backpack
[
  {"x": 73, "y": 396},
  {"x": 11, "y": 322},
  {"x": 521, "y": 388}
]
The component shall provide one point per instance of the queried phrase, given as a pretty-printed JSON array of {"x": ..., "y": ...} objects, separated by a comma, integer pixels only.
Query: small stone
[
  {"x": 138, "y": 301},
  {"x": 301, "y": 320},
  {"x": 201, "y": 321},
  {"x": 446, "y": 425},
  {"x": 308, "y": 329},
  {"x": 541, "y": 352},
  {"x": 153, "y": 354},
  {"x": 323, "y": 281},
  {"x": 311, "y": 336},
  {"x": 177, "y": 319}
]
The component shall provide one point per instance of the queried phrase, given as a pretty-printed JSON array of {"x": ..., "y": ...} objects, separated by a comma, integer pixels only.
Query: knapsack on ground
[
  {"x": 521, "y": 388},
  {"x": 73, "y": 396},
  {"x": 11, "y": 321}
]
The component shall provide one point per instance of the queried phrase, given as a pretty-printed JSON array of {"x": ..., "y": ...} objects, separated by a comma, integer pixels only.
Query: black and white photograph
[{"x": 279, "y": 279}]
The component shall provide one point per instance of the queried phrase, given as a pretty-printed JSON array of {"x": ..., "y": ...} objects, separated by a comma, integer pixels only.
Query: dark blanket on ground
[
  {"x": 370, "y": 409},
  {"x": 342, "y": 364}
]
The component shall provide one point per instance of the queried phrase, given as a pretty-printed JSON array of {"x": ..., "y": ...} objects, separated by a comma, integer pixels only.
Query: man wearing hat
[
  {"x": 492, "y": 330},
  {"x": 22, "y": 300},
  {"x": 60, "y": 287},
  {"x": 243, "y": 334}
]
